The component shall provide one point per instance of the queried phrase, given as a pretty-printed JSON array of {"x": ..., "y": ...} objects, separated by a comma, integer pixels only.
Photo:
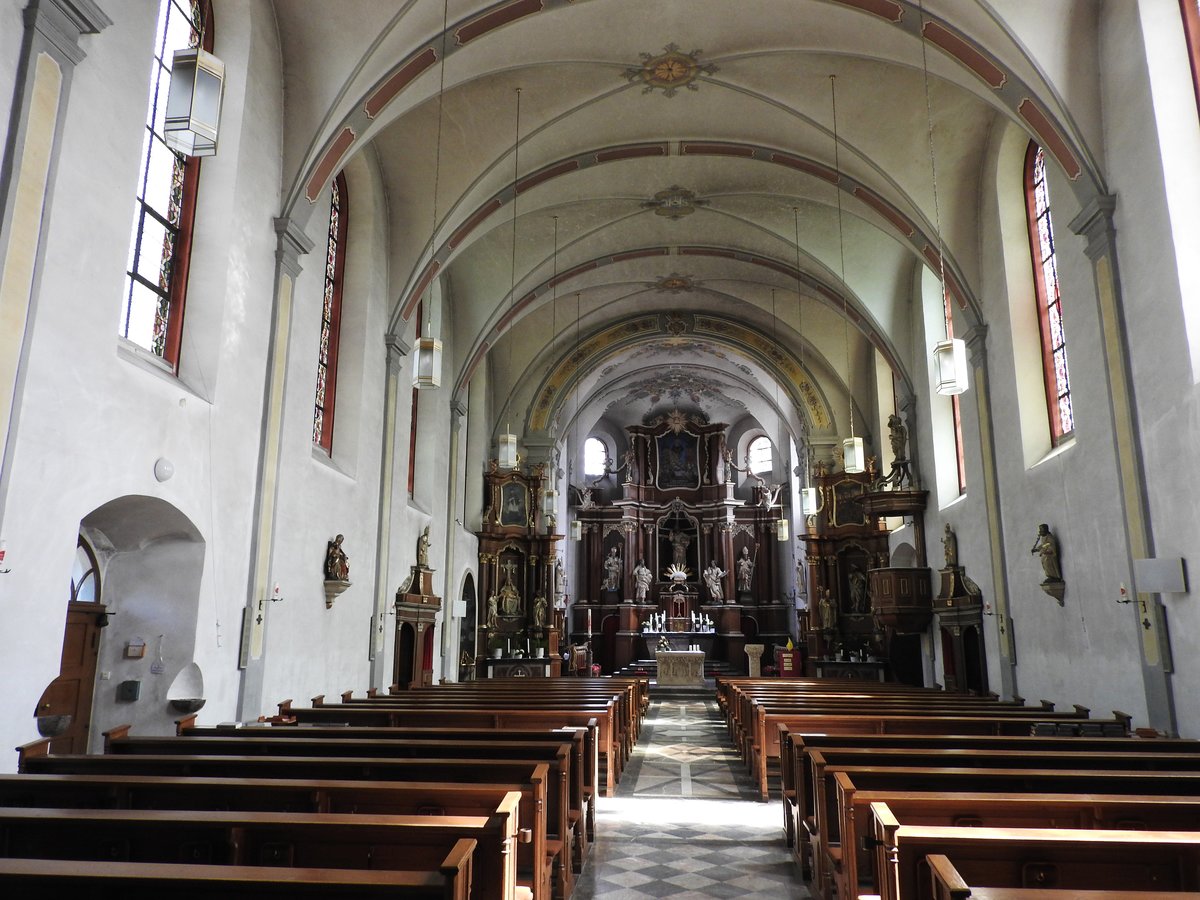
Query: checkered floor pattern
[{"x": 685, "y": 823}]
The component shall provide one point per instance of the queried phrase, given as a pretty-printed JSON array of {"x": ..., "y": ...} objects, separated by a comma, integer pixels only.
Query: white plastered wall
[{"x": 93, "y": 422}]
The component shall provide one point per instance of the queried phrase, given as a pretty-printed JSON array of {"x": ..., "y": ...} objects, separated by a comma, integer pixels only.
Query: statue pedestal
[
  {"x": 754, "y": 654},
  {"x": 681, "y": 667}
]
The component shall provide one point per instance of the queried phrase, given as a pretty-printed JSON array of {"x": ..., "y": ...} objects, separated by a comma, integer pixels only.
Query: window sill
[
  {"x": 320, "y": 456},
  {"x": 1055, "y": 452},
  {"x": 961, "y": 498},
  {"x": 143, "y": 359}
]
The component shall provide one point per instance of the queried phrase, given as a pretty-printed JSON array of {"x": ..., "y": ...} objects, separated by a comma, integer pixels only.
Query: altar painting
[{"x": 678, "y": 460}]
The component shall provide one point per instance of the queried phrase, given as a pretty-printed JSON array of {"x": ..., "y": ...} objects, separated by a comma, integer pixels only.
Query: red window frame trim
[
  {"x": 329, "y": 405},
  {"x": 1049, "y": 380},
  {"x": 412, "y": 419},
  {"x": 1190, "y": 12}
]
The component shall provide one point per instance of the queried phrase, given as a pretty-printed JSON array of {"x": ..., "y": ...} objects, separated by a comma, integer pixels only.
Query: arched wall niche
[{"x": 152, "y": 560}]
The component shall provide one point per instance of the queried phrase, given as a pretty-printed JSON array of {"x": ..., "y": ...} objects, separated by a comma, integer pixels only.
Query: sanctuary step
[{"x": 644, "y": 667}]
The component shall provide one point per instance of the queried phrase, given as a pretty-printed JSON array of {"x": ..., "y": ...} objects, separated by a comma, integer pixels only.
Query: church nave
[{"x": 685, "y": 822}]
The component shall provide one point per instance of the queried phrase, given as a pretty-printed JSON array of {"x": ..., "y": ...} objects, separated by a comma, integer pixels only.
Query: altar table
[{"x": 684, "y": 667}]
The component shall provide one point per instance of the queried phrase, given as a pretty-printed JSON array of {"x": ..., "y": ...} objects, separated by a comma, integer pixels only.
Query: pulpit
[{"x": 416, "y": 609}]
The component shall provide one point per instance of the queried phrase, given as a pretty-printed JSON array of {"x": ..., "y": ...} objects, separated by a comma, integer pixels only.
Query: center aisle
[{"x": 686, "y": 822}]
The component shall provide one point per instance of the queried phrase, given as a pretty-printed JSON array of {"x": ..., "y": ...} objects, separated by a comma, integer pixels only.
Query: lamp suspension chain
[
  {"x": 949, "y": 355},
  {"x": 852, "y": 447},
  {"x": 427, "y": 358},
  {"x": 508, "y": 456}
]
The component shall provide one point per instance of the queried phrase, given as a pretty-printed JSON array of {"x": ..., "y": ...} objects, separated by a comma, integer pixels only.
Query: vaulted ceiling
[{"x": 675, "y": 165}]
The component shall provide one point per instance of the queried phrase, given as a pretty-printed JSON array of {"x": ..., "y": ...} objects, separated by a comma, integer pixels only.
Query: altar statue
[
  {"x": 679, "y": 544},
  {"x": 612, "y": 570},
  {"x": 641, "y": 579},
  {"x": 510, "y": 597},
  {"x": 712, "y": 577},
  {"x": 828, "y": 613},
  {"x": 560, "y": 577},
  {"x": 745, "y": 570},
  {"x": 539, "y": 610},
  {"x": 859, "y": 602}
]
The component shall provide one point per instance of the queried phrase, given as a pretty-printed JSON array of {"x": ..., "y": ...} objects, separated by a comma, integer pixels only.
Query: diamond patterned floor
[{"x": 685, "y": 822}]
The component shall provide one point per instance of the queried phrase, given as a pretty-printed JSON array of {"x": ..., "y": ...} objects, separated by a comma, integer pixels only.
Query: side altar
[
  {"x": 519, "y": 623},
  {"x": 668, "y": 541}
]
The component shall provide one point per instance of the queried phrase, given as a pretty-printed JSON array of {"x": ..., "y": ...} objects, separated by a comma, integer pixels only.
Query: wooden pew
[
  {"x": 1160, "y": 861},
  {"x": 549, "y": 863},
  {"x": 632, "y": 694},
  {"x": 321, "y": 840},
  {"x": 565, "y": 789},
  {"x": 490, "y": 718},
  {"x": 948, "y": 884},
  {"x": 833, "y": 850},
  {"x": 853, "y": 779},
  {"x": 616, "y": 734},
  {"x": 584, "y": 757},
  {"x": 449, "y": 879},
  {"x": 885, "y": 720},
  {"x": 792, "y": 747},
  {"x": 1076, "y": 811},
  {"x": 299, "y": 795}
]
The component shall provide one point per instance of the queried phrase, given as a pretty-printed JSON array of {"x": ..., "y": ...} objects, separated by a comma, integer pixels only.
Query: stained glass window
[
  {"x": 331, "y": 316},
  {"x": 1050, "y": 317},
  {"x": 160, "y": 238}
]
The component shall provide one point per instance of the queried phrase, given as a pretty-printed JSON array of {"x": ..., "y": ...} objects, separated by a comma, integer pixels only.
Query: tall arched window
[
  {"x": 759, "y": 454},
  {"x": 414, "y": 415},
  {"x": 595, "y": 457},
  {"x": 85, "y": 574},
  {"x": 1045, "y": 280},
  {"x": 161, "y": 240},
  {"x": 1191, "y": 30},
  {"x": 331, "y": 316}
]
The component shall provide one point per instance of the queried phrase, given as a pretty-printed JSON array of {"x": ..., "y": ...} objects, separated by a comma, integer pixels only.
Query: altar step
[{"x": 644, "y": 667}]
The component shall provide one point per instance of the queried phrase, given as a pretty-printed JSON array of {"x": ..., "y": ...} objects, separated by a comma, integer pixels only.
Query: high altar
[{"x": 645, "y": 555}]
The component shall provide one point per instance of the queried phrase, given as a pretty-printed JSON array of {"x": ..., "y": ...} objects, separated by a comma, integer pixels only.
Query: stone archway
[{"x": 150, "y": 559}]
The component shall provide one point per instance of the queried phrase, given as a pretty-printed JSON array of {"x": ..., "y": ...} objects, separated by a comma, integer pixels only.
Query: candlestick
[{"x": 589, "y": 622}]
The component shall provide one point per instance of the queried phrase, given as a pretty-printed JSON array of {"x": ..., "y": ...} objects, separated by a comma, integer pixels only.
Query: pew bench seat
[{"x": 448, "y": 879}]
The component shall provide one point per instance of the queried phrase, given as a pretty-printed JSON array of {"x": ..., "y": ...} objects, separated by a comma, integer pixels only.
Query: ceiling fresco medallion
[
  {"x": 674, "y": 203},
  {"x": 675, "y": 284},
  {"x": 677, "y": 386},
  {"x": 676, "y": 419},
  {"x": 669, "y": 71}
]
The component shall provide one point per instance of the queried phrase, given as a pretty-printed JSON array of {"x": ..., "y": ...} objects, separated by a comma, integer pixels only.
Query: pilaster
[
  {"x": 1095, "y": 223},
  {"x": 397, "y": 350},
  {"x": 291, "y": 244},
  {"x": 50, "y": 51},
  {"x": 976, "y": 341}
]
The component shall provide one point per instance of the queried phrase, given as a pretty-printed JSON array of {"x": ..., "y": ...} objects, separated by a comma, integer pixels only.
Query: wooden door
[{"x": 71, "y": 692}]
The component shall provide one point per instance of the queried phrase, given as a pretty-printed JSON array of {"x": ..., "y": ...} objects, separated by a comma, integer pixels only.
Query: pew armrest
[
  {"x": 115, "y": 733},
  {"x": 947, "y": 883}
]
